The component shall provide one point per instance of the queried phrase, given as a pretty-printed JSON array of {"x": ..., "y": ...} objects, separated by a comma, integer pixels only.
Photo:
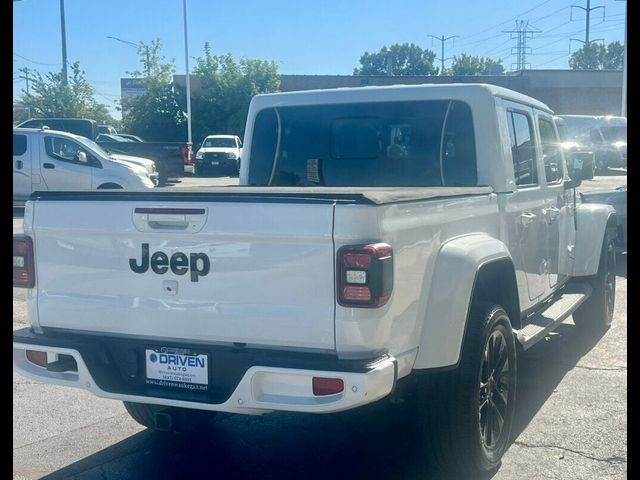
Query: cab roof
[{"x": 393, "y": 93}]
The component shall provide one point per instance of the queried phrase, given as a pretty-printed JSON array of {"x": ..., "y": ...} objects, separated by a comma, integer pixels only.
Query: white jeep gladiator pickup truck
[{"x": 383, "y": 240}]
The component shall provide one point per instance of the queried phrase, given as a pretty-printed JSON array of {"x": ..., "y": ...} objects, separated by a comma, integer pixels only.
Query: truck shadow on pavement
[{"x": 376, "y": 441}]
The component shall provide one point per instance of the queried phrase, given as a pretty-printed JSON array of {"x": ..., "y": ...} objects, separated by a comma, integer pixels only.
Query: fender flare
[
  {"x": 591, "y": 221},
  {"x": 450, "y": 294}
]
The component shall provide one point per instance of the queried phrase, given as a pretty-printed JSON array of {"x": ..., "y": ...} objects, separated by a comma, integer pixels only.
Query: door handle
[
  {"x": 551, "y": 214},
  {"x": 526, "y": 218},
  {"x": 19, "y": 164},
  {"x": 49, "y": 165}
]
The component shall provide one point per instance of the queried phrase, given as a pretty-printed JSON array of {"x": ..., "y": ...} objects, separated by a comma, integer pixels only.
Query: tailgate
[{"x": 219, "y": 271}]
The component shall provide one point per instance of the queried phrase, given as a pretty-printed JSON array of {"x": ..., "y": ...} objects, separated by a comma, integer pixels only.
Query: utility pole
[
  {"x": 26, "y": 77},
  {"x": 64, "y": 43},
  {"x": 588, "y": 15},
  {"x": 522, "y": 33},
  {"x": 442, "y": 58}
]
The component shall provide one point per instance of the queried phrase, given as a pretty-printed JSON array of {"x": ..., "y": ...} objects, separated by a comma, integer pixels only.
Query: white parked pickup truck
[
  {"x": 405, "y": 240},
  {"x": 218, "y": 152}
]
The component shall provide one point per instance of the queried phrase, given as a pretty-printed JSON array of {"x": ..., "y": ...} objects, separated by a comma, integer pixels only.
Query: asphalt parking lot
[{"x": 571, "y": 420}]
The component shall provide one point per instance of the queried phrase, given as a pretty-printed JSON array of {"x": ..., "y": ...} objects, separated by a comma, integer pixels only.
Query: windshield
[
  {"x": 220, "y": 142},
  {"x": 614, "y": 134},
  {"x": 424, "y": 143}
]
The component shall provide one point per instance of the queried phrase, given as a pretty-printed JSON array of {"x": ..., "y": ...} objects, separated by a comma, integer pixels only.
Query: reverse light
[
  {"x": 327, "y": 386},
  {"x": 23, "y": 264},
  {"x": 365, "y": 275}
]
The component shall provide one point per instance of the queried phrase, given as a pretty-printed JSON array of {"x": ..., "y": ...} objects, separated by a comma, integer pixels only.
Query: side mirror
[{"x": 81, "y": 157}]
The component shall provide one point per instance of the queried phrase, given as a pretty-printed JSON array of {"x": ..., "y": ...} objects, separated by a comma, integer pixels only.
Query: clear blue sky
[{"x": 305, "y": 37}]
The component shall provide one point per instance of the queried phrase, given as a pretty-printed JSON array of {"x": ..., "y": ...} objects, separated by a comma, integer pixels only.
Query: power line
[
  {"x": 538, "y": 20},
  {"x": 508, "y": 21},
  {"x": 553, "y": 60},
  {"x": 33, "y": 61}
]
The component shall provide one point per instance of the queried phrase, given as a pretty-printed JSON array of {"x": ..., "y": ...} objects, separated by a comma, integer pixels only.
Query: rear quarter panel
[{"x": 416, "y": 231}]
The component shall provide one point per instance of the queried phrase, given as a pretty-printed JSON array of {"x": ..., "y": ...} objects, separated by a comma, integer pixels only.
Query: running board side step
[{"x": 548, "y": 319}]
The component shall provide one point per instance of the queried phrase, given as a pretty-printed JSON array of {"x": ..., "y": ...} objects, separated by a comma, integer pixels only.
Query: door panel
[
  {"x": 525, "y": 220},
  {"x": 58, "y": 166},
  {"x": 526, "y": 236},
  {"x": 558, "y": 206}
]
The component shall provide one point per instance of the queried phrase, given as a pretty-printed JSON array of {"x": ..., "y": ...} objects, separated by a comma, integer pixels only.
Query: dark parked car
[
  {"x": 107, "y": 129},
  {"x": 575, "y": 148},
  {"x": 78, "y": 126},
  {"x": 133, "y": 138},
  {"x": 605, "y": 136}
]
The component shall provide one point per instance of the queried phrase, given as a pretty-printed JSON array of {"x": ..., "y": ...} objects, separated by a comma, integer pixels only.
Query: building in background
[{"x": 586, "y": 92}]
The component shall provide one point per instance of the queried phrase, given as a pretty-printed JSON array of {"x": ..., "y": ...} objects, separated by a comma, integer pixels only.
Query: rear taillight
[
  {"x": 365, "y": 275},
  {"x": 23, "y": 269},
  {"x": 186, "y": 155}
]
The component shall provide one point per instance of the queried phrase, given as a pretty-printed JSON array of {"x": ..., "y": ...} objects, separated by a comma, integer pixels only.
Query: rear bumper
[{"x": 245, "y": 381}]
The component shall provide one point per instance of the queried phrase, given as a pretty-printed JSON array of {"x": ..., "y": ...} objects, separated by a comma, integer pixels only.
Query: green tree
[
  {"x": 596, "y": 56},
  {"x": 470, "y": 65},
  {"x": 398, "y": 59},
  {"x": 50, "y": 96},
  {"x": 157, "y": 114},
  {"x": 614, "y": 58},
  {"x": 225, "y": 88}
]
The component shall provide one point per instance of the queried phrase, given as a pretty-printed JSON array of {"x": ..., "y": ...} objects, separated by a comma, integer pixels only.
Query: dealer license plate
[{"x": 176, "y": 368}]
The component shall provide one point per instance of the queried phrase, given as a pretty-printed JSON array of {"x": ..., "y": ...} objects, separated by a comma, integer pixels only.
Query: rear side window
[
  {"x": 551, "y": 153},
  {"x": 19, "y": 144},
  {"x": 522, "y": 148},
  {"x": 396, "y": 144}
]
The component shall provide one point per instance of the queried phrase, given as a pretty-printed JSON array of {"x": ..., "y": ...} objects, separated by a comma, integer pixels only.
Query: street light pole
[
  {"x": 188, "y": 81},
  {"x": 64, "y": 43}
]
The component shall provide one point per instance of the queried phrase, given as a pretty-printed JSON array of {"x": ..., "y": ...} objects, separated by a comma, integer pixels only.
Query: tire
[
  {"x": 163, "y": 176},
  {"x": 168, "y": 419},
  {"x": 596, "y": 313},
  {"x": 457, "y": 406},
  {"x": 110, "y": 186}
]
